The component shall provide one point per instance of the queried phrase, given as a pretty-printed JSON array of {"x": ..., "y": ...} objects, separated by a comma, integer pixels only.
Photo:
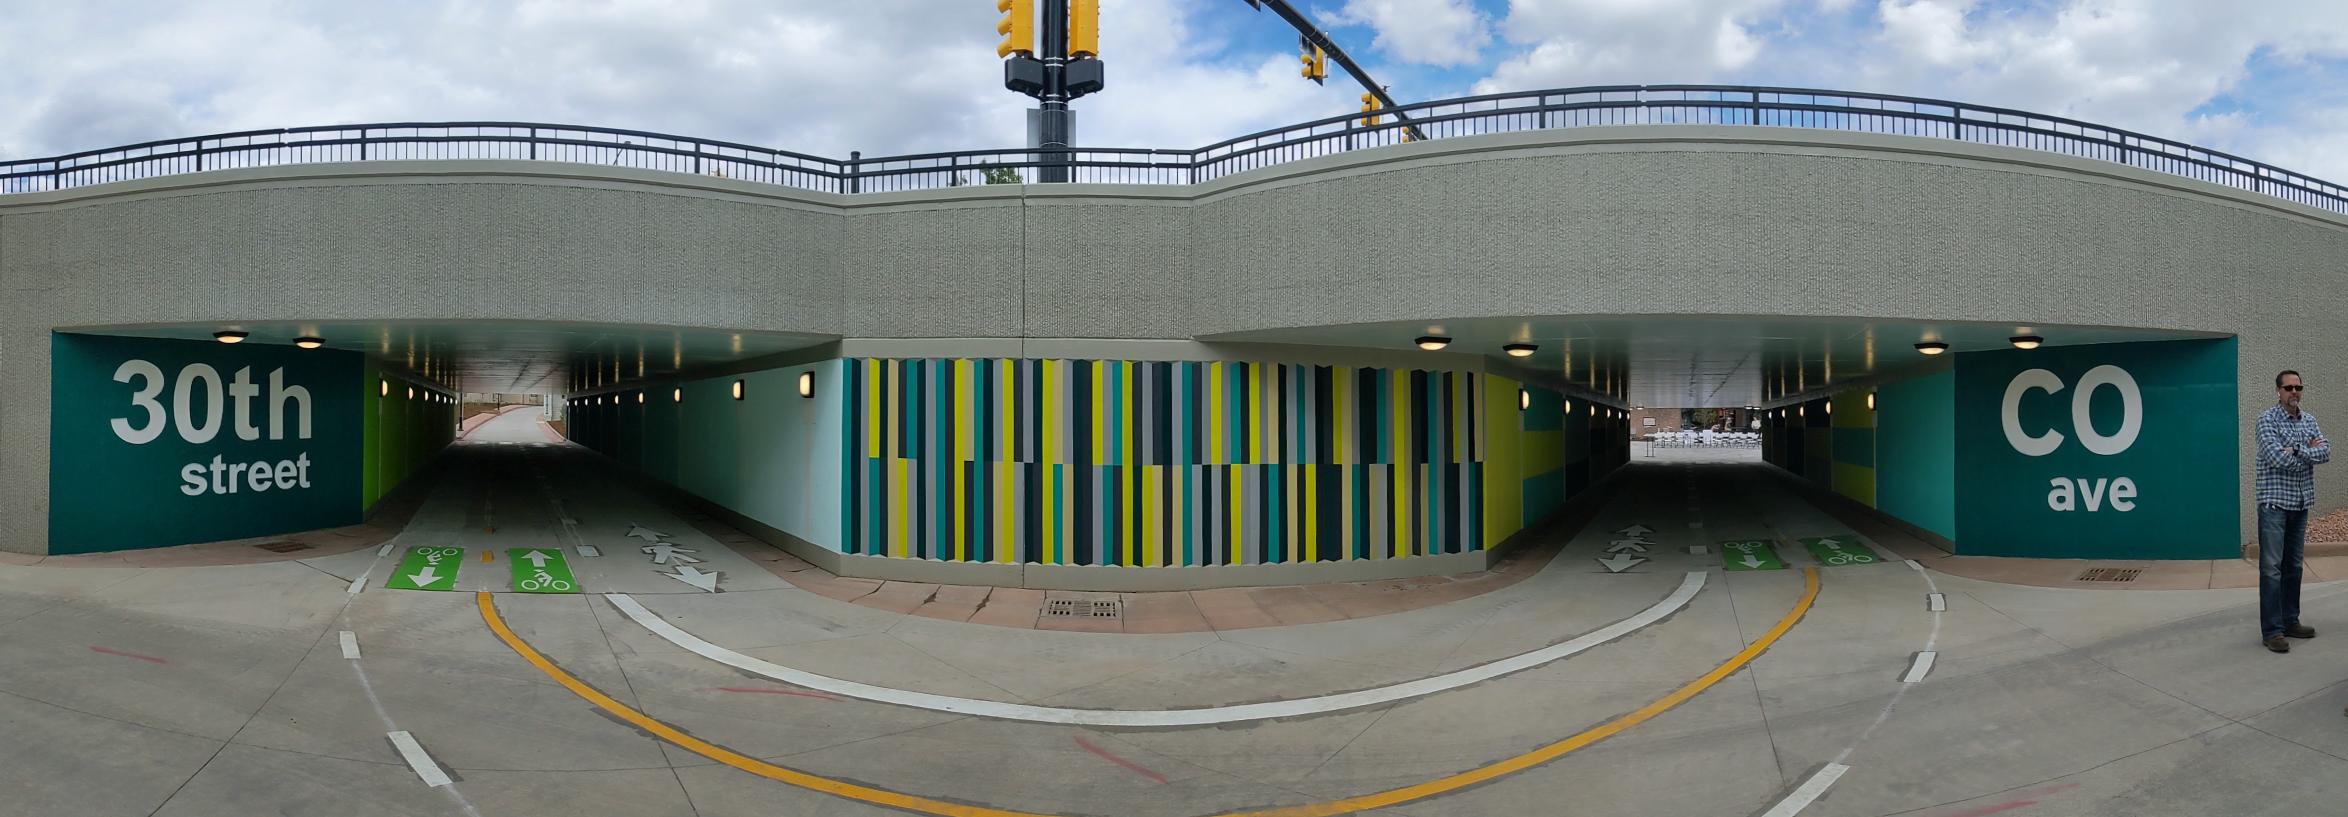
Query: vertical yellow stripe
[
  {"x": 872, "y": 408},
  {"x": 1006, "y": 550},
  {"x": 1048, "y": 414},
  {"x": 1255, "y": 413},
  {"x": 1099, "y": 410},
  {"x": 1050, "y": 533},
  {"x": 1312, "y": 513},
  {"x": 1399, "y": 473},
  {"x": 1345, "y": 513},
  {"x": 1216, "y": 416},
  {"x": 1153, "y": 513}
]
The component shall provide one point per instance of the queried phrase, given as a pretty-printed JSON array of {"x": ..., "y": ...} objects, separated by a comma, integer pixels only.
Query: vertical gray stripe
[
  {"x": 1250, "y": 510},
  {"x": 1023, "y": 373},
  {"x": 1101, "y": 546}
]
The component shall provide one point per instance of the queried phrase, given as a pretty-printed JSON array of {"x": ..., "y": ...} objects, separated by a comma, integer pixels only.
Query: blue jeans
[{"x": 2282, "y": 553}]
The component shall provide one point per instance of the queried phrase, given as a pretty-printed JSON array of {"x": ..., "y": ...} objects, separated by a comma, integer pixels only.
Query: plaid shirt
[{"x": 2286, "y": 466}]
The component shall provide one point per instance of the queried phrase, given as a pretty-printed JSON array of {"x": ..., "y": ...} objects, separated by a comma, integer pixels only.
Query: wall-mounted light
[
  {"x": 738, "y": 390},
  {"x": 1932, "y": 347},
  {"x": 230, "y": 336},
  {"x": 1433, "y": 343},
  {"x": 1568, "y": 406},
  {"x": 2026, "y": 341},
  {"x": 1829, "y": 407},
  {"x": 309, "y": 343},
  {"x": 411, "y": 392},
  {"x": 382, "y": 388},
  {"x": 1870, "y": 401},
  {"x": 806, "y": 384},
  {"x": 1801, "y": 411},
  {"x": 639, "y": 398},
  {"x": 1520, "y": 349},
  {"x": 677, "y": 396},
  {"x": 1524, "y": 399}
]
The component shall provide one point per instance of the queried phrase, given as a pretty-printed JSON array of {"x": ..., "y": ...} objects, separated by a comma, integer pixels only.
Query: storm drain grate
[
  {"x": 282, "y": 547},
  {"x": 2110, "y": 574},
  {"x": 1079, "y": 608}
]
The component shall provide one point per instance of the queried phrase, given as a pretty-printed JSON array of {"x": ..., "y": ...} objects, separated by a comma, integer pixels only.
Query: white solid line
[
  {"x": 1915, "y": 565},
  {"x": 1917, "y": 670},
  {"x": 350, "y": 645},
  {"x": 1936, "y": 603},
  {"x": 1808, "y": 792},
  {"x": 413, "y": 752},
  {"x": 1158, "y": 717}
]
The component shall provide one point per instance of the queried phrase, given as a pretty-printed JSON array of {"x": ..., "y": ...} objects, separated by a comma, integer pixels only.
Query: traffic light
[
  {"x": 1316, "y": 62},
  {"x": 1370, "y": 104},
  {"x": 1084, "y": 28},
  {"x": 1017, "y": 27}
]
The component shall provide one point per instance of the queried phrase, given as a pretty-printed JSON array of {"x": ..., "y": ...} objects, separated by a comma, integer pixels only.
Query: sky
[{"x": 2267, "y": 79}]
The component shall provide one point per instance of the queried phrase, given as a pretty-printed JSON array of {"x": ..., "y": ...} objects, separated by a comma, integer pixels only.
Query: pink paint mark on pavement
[
  {"x": 2024, "y": 800},
  {"x": 1131, "y": 766},
  {"x": 800, "y": 693},
  {"x": 147, "y": 658}
]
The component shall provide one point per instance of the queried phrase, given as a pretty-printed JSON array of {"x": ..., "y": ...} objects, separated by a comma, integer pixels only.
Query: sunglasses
[{"x": 2294, "y": 388}]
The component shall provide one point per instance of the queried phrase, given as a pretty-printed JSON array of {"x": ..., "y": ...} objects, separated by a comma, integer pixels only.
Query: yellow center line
[
  {"x": 924, "y": 805},
  {"x": 485, "y": 557}
]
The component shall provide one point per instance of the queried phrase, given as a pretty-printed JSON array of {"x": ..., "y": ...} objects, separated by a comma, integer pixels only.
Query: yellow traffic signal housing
[
  {"x": 1084, "y": 28},
  {"x": 1017, "y": 27},
  {"x": 1316, "y": 61},
  {"x": 1369, "y": 104}
]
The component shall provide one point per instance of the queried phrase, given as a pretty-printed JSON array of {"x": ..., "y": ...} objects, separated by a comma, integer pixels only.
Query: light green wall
[{"x": 1916, "y": 451}]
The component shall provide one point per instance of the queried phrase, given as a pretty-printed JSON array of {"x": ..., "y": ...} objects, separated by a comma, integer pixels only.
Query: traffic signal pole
[
  {"x": 1314, "y": 36},
  {"x": 1063, "y": 65}
]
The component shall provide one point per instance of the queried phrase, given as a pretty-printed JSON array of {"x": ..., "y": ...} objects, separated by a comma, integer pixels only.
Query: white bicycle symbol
[
  {"x": 1841, "y": 558},
  {"x": 542, "y": 581},
  {"x": 1746, "y": 547}
]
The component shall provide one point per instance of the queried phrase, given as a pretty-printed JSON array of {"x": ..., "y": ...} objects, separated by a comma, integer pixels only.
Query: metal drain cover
[
  {"x": 1081, "y": 608},
  {"x": 282, "y": 547},
  {"x": 2110, "y": 574}
]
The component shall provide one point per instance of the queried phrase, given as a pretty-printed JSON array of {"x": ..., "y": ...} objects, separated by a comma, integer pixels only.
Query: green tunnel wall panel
[{"x": 1916, "y": 452}]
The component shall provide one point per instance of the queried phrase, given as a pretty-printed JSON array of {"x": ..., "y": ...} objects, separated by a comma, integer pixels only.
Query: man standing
[{"x": 2290, "y": 446}]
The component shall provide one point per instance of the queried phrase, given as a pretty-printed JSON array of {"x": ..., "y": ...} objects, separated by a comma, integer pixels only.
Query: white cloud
[
  {"x": 1426, "y": 32},
  {"x": 1607, "y": 42}
]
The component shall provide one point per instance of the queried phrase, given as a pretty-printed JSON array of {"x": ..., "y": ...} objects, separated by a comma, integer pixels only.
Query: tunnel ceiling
[
  {"x": 511, "y": 357},
  {"x": 1701, "y": 362}
]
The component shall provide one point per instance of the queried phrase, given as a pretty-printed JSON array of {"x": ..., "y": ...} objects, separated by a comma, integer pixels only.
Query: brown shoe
[
  {"x": 2299, "y": 631},
  {"x": 2276, "y": 643}
]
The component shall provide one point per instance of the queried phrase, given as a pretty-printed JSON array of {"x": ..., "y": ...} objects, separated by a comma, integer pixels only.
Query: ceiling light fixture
[
  {"x": 1932, "y": 347},
  {"x": 309, "y": 343},
  {"x": 2026, "y": 341},
  {"x": 1433, "y": 343},
  {"x": 1520, "y": 349},
  {"x": 230, "y": 336}
]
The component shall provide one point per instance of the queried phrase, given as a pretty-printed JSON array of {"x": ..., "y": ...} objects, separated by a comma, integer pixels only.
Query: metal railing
[{"x": 1438, "y": 119}]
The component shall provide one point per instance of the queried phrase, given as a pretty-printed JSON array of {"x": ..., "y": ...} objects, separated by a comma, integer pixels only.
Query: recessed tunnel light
[
  {"x": 230, "y": 336},
  {"x": 737, "y": 389},
  {"x": 383, "y": 388},
  {"x": 1433, "y": 343},
  {"x": 309, "y": 343},
  {"x": 1932, "y": 347},
  {"x": 1524, "y": 399},
  {"x": 411, "y": 392},
  {"x": 677, "y": 396},
  {"x": 2026, "y": 341},
  {"x": 1870, "y": 401},
  {"x": 806, "y": 384},
  {"x": 639, "y": 398},
  {"x": 1520, "y": 349}
]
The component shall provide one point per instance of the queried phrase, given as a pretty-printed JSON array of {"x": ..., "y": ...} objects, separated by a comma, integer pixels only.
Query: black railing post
[
  {"x": 1756, "y": 107},
  {"x": 199, "y": 156},
  {"x": 533, "y": 144},
  {"x": 855, "y": 177},
  {"x": 696, "y": 158}
]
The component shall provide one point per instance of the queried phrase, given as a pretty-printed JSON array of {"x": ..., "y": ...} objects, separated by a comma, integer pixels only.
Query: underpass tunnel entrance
[
  {"x": 1981, "y": 439},
  {"x": 180, "y": 434}
]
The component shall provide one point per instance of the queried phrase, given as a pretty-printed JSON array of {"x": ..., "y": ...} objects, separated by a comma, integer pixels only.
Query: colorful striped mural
[{"x": 1143, "y": 463}]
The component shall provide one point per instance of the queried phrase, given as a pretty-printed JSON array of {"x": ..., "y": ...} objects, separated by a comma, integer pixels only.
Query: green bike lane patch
[
  {"x": 541, "y": 570},
  {"x": 427, "y": 568},
  {"x": 1840, "y": 550},
  {"x": 1749, "y": 554}
]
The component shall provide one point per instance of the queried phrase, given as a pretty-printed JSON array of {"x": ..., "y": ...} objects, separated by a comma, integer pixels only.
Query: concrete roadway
[{"x": 227, "y": 690}]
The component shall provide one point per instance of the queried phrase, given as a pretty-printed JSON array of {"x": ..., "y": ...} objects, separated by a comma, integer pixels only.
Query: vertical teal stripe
[{"x": 1114, "y": 397}]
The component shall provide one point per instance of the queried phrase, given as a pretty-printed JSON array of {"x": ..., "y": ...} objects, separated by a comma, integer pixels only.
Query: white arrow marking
[
  {"x": 693, "y": 576},
  {"x": 1751, "y": 560},
  {"x": 1636, "y": 530},
  {"x": 1828, "y": 542},
  {"x": 1621, "y": 545},
  {"x": 1619, "y": 562},
  {"x": 589, "y": 550},
  {"x": 644, "y": 533},
  {"x": 425, "y": 576},
  {"x": 665, "y": 553},
  {"x": 537, "y": 558}
]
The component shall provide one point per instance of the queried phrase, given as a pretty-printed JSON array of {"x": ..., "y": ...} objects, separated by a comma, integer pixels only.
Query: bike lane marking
[
  {"x": 1832, "y": 550},
  {"x": 1328, "y": 808},
  {"x": 420, "y": 570},
  {"x": 1749, "y": 554},
  {"x": 541, "y": 570}
]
